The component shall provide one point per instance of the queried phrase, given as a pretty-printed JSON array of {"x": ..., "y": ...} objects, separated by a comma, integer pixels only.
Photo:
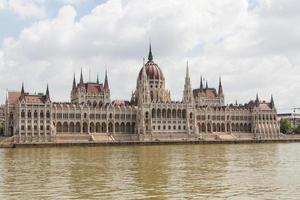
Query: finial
[
  {"x": 150, "y": 56},
  {"x": 187, "y": 68},
  {"x": 81, "y": 77},
  {"x": 47, "y": 91},
  {"x": 220, "y": 92},
  {"x": 272, "y": 102},
  {"x": 201, "y": 83},
  {"x": 22, "y": 89},
  {"x": 106, "y": 86}
]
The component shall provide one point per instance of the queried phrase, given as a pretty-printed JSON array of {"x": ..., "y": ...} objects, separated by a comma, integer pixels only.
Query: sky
[{"x": 253, "y": 45}]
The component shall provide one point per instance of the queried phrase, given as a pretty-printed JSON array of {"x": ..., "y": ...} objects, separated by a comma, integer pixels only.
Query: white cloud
[
  {"x": 73, "y": 2},
  {"x": 25, "y": 8},
  {"x": 254, "y": 50}
]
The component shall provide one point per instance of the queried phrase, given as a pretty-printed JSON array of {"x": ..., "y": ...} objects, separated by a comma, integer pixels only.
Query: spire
[
  {"x": 97, "y": 79},
  {"x": 220, "y": 92},
  {"x": 201, "y": 84},
  {"x": 236, "y": 103},
  {"x": 22, "y": 92},
  {"x": 106, "y": 86},
  {"x": 74, "y": 83},
  {"x": 256, "y": 100},
  {"x": 187, "y": 92},
  {"x": 47, "y": 92},
  {"x": 81, "y": 78},
  {"x": 206, "y": 84},
  {"x": 272, "y": 102},
  {"x": 150, "y": 57},
  {"x": 22, "y": 89},
  {"x": 187, "y": 74}
]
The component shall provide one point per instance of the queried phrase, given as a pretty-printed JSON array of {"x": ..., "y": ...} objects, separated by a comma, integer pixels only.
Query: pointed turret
[
  {"x": 22, "y": 89},
  {"x": 47, "y": 92},
  {"x": 22, "y": 92},
  {"x": 256, "y": 99},
  {"x": 206, "y": 84},
  {"x": 201, "y": 84},
  {"x": 81, "y": 78},
  {"x": 220, "y": 92},
  {"x": 187, "y": 92},
  {"x": 74, "y": 83},
  {"x": 97, "y": 79},
  {"x": 272, "y": 102},
  {"x": 150, "y": 56},
  {"x": 106, "y": 86}
]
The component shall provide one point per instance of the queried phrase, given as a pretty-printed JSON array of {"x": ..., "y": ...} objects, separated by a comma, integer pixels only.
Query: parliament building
[{"x": 150, "y": 114}]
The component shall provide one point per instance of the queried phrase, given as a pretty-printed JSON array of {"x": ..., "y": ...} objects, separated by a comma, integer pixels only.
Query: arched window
[
  {"x": 35, "y": 114},
  {"x": 169, "y": 113},
  {"x": 22, "y": 113},
  {"x": 95, "y": 104},
  {"x": 163, "y": 113},
  {"x": 48, "y": 114},
  {"x": 174, "y": 113},
  {"x": 42, "y": 114},
  {"x": 29, "y": 114},
  {"x": 153, "y": 113},
  {"x": 184, "y": 114}
]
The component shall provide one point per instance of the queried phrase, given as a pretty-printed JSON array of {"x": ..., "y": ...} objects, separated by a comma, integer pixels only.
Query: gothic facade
[{"x": 149, "y": 115}]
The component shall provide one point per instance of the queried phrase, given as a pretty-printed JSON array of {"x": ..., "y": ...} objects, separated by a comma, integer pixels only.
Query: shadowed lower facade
[{"x": 150, "y": 114}]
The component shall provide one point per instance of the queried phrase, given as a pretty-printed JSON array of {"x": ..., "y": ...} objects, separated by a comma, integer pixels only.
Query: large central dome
[{"x": 152, "y": 69}]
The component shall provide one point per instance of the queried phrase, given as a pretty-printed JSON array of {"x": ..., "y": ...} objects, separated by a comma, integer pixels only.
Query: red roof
[
  {"x": 264, "y": 106},
  {"x": 35, "y": 99},
  {"x": 13, "y": 97},
  {"x": 209, "y": 92},
  {"x": 153, "y": 71},
  {"x": 94, "y": 88}
]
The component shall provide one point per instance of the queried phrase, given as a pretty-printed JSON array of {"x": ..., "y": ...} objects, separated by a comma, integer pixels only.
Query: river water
[{"x": 255, "y": 171}]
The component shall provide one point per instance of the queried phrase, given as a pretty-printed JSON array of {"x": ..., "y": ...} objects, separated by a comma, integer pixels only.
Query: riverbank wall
[{"x": 129, "y": 143}]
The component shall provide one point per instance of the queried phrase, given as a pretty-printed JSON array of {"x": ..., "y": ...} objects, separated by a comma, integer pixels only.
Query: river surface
[{"x": 255, "y": 171}]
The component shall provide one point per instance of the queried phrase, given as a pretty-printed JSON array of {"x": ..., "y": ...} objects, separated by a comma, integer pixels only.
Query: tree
[
  {"x": 297, "y": 129},
  {"x": 1, "y": 128},
  {"x": 285, "y": 126}
]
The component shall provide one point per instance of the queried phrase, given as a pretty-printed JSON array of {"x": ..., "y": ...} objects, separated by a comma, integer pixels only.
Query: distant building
[
  {"x": 294, "y": 118},
  {"x": 150, "y": 114},
  {"x": 2, "y": 119}
]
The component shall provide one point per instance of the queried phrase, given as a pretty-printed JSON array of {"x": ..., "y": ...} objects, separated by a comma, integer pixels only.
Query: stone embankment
[
  {"x": 108, "y": 140},
  {"x": 6, "y": 142}
]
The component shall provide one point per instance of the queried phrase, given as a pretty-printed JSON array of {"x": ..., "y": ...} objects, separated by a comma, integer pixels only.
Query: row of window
[
  {"x": 29, "y": 128},
  {"x": 34, "y": 121},
  {"x": 249, "y": 118},
  {"x": 168, "y": 127},
  {"x": 35, "y": 114},
  {"x": 92, "y": 116},
  {"x": 218, "y": 117}
]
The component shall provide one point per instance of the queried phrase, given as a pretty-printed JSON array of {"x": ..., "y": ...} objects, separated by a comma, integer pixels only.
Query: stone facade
[{"x": 149, "y": 115}]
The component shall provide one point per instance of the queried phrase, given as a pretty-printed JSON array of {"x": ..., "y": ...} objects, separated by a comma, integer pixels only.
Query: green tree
[
  {"x": 297, "y": 129},
  {"x": 285, "y": 126}
]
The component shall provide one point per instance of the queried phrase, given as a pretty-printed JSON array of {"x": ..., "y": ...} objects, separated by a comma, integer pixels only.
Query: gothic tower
[{"x": 187, "y": 91}]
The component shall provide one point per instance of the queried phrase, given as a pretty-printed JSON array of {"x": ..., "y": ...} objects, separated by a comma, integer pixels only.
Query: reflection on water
[{"x": 257, "y": 171}]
